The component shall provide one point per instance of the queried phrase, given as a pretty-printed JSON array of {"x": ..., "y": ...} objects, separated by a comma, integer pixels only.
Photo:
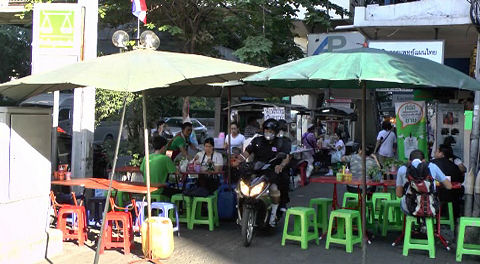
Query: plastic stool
[
  {"x": 321, "y": 206},
  {"x": 212, "y": 207},
  {"x": 462, "y": 248},
  {"x": 450, "y": 220},
  {"x": 164, "y": 209},
  {"x": 305, "y": 217},
  {"x": 125, "y": 242},
  {"x": 385, "y": 208},
  {"x": 344, "y": 234},
  {"x": 79, "y": 233},
  {"x": 179, "y": 199},
  {"x": 157, "y": 196},
  {"x": 421, "y": 244},
  {"x": 376, "y": 197},
  {"x": 349, "y": 196}
]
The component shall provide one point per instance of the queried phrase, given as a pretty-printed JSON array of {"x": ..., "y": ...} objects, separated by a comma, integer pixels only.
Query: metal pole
[
  {"x": 109, "y": 192},
  {"x": 474, "y": 136},
  {"x": 229, "y": 133},
  {"x": 364, "y": 173},
  {"x": 147, "y": 173}
]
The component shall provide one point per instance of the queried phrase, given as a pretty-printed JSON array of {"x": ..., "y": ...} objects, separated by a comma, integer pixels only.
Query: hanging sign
[
  {"x": 411, "y": 128},
  {"x": 273, "y": 112}
]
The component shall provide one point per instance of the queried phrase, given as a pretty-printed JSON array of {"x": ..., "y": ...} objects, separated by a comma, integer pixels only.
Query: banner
[
  {"x": 411, "y": 128},
  {"x": 432, "y": 49},
  {"x": 274, "y": 112}
]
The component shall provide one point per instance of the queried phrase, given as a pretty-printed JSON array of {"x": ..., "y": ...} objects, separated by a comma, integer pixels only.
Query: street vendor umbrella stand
[
  {"x": 133, "y": 71},
  {"x": 362, "y": 68}
]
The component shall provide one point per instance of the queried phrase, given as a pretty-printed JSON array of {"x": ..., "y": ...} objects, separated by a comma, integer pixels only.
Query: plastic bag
[{"x": 337, "y": 156}]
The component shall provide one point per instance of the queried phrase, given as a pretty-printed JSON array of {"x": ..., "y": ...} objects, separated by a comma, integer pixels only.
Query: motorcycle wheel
[{"x": 248, "y": 221}]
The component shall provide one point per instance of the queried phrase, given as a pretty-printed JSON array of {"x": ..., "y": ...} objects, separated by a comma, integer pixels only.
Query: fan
[
  {"x": 120, "y": 39},
  {"x": 149, "y": 40}
]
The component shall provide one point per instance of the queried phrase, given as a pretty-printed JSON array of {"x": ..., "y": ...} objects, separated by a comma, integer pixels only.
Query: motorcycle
[{"x": 254, "y": 202}]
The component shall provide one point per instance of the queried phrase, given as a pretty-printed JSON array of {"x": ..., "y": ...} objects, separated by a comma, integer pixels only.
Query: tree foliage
[{"x": 15, "y": 53}]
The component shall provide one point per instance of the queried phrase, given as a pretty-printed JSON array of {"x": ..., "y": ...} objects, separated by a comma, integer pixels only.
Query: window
[{"x": 63, "y": 114}]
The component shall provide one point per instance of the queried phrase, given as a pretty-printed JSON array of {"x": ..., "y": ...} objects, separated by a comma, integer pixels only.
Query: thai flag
[{"x": 139, "y": 9}]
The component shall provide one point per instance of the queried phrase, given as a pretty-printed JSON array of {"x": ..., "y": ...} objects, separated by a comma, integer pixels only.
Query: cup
[
  {"x": 68, "y": 175},
  {"x": 339, "y": 176}
]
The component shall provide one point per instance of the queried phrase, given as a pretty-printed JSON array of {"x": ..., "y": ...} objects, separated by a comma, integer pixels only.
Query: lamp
[
  {"x": 120, "y": 39},
  {"x": 149, "y": 40}
]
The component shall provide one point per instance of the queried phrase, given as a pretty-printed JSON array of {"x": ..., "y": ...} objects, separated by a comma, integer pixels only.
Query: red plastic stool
[
  {"x": 126, "y": 241},
  {"x": 79, "y": 233}
]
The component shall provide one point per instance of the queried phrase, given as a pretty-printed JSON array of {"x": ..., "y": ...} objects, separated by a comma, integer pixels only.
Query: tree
[{"x": 15, "y": 52}]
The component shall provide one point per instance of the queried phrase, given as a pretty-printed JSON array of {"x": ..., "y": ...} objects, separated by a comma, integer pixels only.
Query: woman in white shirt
[
  {"x": 209, "y": 158},
  {"x": 386, "y": 142},
  {"x": 237, "y": 138}
]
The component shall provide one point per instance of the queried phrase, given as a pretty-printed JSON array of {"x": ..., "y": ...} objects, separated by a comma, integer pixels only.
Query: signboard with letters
[
  {"x": 318, "y": 43},
  {"x": 273, "y": 112},
  {"x": 411, "y": 128},
  {"x": 432, "y": 50}
]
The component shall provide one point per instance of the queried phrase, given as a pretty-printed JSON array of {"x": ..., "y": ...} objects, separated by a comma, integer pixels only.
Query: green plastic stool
[
  {"x": 179, "y": 199},
  {"x": 304, "y": 218},
  {"x": 159, "y": 197},
  {"x": 376, "y": 198},
  {"x": 421, "y": 244},
  {"x": 344, "y": 234},
  {"x": 462, "y": 248},
  {"x": 196, "y": 216},
  {"x": 321, "y": 206},
  {"x": 396, "y": 222},
  {"x": 450, "y": 220},
  {"x": 349, "y": 198}
]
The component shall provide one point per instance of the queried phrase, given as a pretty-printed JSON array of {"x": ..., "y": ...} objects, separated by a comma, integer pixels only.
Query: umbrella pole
[
  {"x": 109, "y": 192},
  {"x": 147, "y": 176},
  {"x": 364, "y": 173},
  {"x": 229, "y": 155}
]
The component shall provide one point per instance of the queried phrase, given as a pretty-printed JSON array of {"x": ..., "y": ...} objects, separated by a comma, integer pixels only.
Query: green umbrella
[
  {"x": 132, "y": 71},
  {"x": 361, "y": 69}
]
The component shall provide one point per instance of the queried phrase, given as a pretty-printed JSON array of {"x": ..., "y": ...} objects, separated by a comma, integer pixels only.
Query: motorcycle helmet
[{"x": 271, "y": 124}]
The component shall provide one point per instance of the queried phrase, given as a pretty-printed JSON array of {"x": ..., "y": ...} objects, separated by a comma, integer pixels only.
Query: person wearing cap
[{"x": 309, "y": 142}]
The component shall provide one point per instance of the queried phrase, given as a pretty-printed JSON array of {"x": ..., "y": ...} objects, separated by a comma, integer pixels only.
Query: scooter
[{"x": 254, "y": 202}]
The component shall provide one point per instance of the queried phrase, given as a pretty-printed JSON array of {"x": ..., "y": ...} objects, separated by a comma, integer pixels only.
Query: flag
[{"x": 139, "y": 9}]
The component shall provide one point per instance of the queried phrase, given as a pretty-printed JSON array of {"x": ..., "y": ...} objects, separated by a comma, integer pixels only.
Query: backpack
[{"x": 420, "y": 197}]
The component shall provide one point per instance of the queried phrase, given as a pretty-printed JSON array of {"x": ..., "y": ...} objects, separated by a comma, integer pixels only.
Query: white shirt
[
  {"x": 386, "y": 149},
  {"x": 342, "y": 145},
  {"x": 237, "y": 142},
  {"x": 202, "y": 159}
]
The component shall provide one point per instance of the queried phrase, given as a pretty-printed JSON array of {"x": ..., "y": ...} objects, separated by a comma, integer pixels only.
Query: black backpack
[{"x": 420, "y": 197}]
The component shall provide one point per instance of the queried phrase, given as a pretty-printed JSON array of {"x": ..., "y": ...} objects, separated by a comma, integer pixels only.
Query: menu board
[
  {"x": 411, "y": 128},
  {"x": 450, "y": 126}
]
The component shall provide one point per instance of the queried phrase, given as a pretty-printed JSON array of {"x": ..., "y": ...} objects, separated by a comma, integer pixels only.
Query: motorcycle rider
[
  {"x": 284, "y": 180},
  {"x": 265, "y": 148}
]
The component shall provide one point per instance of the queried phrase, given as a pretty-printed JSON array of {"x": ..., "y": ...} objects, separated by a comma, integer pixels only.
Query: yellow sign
[{"x": 56, "y": 29}]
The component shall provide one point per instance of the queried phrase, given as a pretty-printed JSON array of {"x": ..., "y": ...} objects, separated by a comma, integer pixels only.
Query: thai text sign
[
  {"x": 274, "y": 112},
  {"x": 432, "y": 50},
  {"x": 411, "y": 128}
]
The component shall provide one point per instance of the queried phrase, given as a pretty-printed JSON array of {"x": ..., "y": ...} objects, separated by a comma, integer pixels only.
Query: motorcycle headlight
[
  {"x": 244, "y": 189},
  {"x": 257, "y": 189}
]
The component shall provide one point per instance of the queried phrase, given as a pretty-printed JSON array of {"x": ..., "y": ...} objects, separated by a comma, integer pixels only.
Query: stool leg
[
  {"x": 460, "y": 238},
  {"x": 329, "y": 234},
  {"x": 285, "y": 228},
  {"x": 430, "y": 237},
  {"x": 349, "y": 235},
  {"x": 192, "y": 215},
  {"x": 315, "y": 229},
  {"x": 303, "y": 232},
  {"x": 211, "y": 219},
  {"x": 406, "y": 239}
]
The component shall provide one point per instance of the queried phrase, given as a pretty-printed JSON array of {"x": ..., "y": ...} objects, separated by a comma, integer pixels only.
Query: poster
[
  {"x": 274, "y": 112},
  {"x": 450, "y": 126},
  {"x": 411, "y": 128}
]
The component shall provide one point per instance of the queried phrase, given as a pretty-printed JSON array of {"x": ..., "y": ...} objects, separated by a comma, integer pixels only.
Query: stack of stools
[
  {"x": 79, "y": 223},
  {"x": 462, "y": 248},
  {"x": 164, "y": 209},
  {"x": 395, "y": 222},
  {"x": 304, "y": 218},
  {"x": 125, "y": 218},
  {"x": 321, "y": 206},
  {"x": 376, "y": 198},
  {"x": 350, "y": 200},
  {"x": 344, "y": 233},
  {"x": 78, "y": 216},
  {"x": 421, "y": 244},
  {"x": 212, "y": 207}
]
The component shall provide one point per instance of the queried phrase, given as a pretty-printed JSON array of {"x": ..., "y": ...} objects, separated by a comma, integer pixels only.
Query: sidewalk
[{"x": 223, "y": 245}]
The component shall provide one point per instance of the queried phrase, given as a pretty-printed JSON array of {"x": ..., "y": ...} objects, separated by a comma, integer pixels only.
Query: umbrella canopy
[
  {"x": 362, "y": 68},
  {"x": 375, "y": 68},
  {"x": 132, "y": 71}
]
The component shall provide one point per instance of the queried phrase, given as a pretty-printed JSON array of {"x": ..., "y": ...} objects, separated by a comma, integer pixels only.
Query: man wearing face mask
[{"x": 265, "y": 148}]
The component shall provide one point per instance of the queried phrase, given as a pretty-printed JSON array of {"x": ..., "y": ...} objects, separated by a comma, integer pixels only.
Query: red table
[
  {"x": 333, "y": 180},
  {"x": 126, "y": 169},
  {"x": 98, "y": 183}
]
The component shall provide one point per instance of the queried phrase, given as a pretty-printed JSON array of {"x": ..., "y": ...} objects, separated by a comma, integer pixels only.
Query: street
[{"x": 223, "y": 245}]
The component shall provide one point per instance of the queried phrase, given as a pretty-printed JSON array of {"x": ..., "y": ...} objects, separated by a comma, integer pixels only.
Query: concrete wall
[{"x": 426, "y": 12}]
